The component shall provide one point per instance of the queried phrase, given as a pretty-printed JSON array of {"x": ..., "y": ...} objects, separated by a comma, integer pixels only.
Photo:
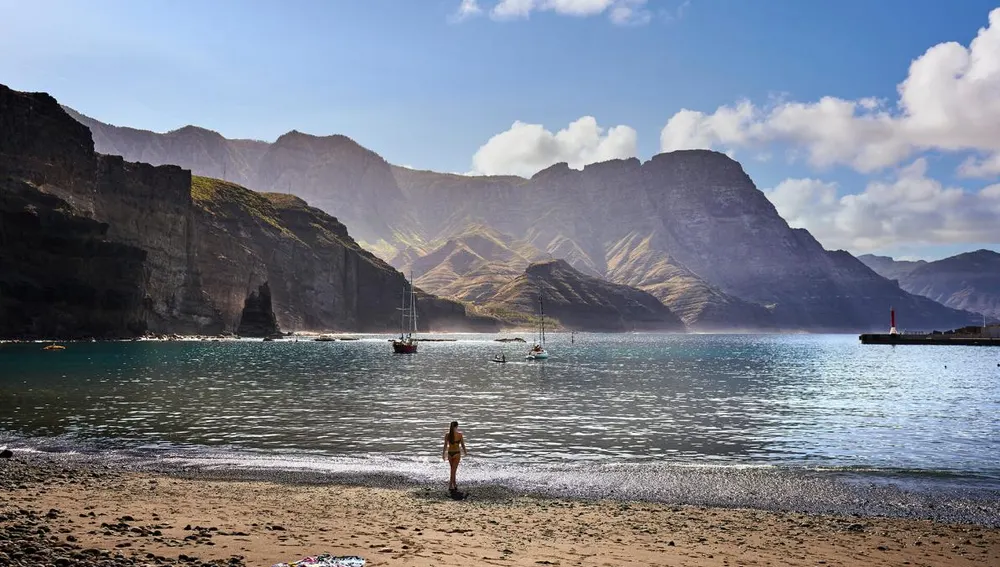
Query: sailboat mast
[
  {"x": 541, "y": 311},
  {"x": 402, "y": 312},
  {"x": 413, "y": 305}
]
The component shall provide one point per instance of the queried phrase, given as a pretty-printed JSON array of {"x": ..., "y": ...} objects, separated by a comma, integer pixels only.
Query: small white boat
[{"x": 538, "y": 351}]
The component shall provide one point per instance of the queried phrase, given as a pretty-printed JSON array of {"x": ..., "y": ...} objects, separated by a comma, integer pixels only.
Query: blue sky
[{"x": 410, "y": 81}]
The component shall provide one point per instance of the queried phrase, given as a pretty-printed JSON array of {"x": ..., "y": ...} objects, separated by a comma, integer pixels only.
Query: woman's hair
[{"x": 451, "y": 431}]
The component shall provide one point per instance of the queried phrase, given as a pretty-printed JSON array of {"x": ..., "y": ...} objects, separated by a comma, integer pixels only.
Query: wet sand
[{"x": 157, "y": 519}]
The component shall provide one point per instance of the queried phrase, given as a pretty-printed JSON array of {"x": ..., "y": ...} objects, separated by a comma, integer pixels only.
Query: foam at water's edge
[{"x": 866, "y": 493}]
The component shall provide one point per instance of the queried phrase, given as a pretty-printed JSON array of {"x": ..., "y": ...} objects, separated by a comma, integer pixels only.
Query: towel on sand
[{"x": 326, "y": 560}]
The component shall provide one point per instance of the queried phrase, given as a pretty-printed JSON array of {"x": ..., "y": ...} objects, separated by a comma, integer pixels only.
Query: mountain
[
  {"x": 580, "y": 302},
  {"x": 969, "y": 281},
  {"x": 364, "y": 195},
  {"x": 889, "y": 268},
  {"x": 471, "y": 265},
  {"x": 93, "y": 245},
  {"x": 689, "y": 227}
]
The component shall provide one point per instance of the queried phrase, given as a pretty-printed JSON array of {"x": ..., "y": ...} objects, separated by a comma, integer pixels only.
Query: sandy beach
[{"x": 147, "y": 519}]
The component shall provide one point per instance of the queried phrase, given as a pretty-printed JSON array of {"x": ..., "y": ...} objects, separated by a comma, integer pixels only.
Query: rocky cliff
[
  {"x": 969, "y": 281},
  {"x": 192, "y": 249},
  {"x": 143, "y": 207},
  {"x": 688, "y": 226},
  {"x": 580, "y": 302},
  {"x": 59, "y": 274}
]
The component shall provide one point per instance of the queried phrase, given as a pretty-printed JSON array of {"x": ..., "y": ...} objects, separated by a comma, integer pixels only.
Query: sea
[{"x": 810, "y": 423}]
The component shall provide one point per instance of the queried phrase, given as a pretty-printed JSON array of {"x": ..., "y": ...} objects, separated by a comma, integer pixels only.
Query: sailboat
[
  {"x": 406, "y": 344},
  {"x": 538, "y": 351}
]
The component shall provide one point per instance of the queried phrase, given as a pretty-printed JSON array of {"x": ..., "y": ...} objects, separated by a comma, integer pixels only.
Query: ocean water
[{"x": 812, "y": 422}]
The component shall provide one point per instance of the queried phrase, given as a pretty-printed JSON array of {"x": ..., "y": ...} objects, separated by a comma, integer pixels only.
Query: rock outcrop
[
  {"x": 687, "y": 226},
  {"x": 580, "y": 302},
  {"x": 969, "y": 281},
  {"x": 257, "y": 319},
  {"x": 95, "y": 245}
]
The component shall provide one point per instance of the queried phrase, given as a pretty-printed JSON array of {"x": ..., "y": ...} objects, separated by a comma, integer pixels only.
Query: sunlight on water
[{"x": 735, "y": 400}]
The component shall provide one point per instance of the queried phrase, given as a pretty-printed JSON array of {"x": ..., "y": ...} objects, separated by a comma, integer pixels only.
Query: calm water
[{"x": 651, "y": 405}]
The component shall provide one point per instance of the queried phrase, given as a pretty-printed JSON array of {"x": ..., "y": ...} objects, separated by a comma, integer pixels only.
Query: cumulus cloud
[
  {"x": 949, "y": 101},
  {"x": 619, "y": 11},
  {"x": 909, "y": 209},
  {"x": 525, "y": 149}
]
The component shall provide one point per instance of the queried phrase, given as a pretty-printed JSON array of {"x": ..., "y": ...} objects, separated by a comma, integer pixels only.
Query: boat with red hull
[{"x": 406, "y": 344}]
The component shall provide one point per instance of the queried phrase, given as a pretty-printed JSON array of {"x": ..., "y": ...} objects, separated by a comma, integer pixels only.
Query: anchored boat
[
  {"x": 406, "y": 344},
  {"x": 538, "y": 351}
]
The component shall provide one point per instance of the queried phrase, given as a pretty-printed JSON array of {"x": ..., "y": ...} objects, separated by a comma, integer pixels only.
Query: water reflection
[{"x": 801, "y": 400}]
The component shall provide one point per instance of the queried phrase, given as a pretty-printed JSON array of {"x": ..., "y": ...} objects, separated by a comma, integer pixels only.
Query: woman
[{"x": 454, "y": 448}]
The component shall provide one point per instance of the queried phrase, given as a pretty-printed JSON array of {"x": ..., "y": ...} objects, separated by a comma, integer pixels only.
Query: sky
[{"x": 874, "y": 124}]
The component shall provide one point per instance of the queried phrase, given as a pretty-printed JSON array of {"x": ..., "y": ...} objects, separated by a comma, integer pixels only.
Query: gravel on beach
[
  {"x": 29, "y": 538},
  {"x": 66, "y": 512}
]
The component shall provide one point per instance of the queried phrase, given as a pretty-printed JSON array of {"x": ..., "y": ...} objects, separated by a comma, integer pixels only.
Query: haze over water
[{"x": 717, "y": 419}]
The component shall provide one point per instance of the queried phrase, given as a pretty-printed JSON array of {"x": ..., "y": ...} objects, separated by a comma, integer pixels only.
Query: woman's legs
[{"x": 454, "y": 460}]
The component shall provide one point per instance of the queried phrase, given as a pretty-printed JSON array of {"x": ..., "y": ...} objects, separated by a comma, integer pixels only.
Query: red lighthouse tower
[{"x": 892, "y": 322}]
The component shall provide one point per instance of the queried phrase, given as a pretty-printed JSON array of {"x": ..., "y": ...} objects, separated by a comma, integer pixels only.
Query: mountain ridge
[
  {"x": 969, "y": 281},
  {"x": 580, "y": 302},
  {"x": 727, "y": 258}
]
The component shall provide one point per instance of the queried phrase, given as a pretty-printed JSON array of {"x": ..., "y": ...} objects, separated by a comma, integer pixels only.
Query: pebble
[{"x": 25, "y": 539}]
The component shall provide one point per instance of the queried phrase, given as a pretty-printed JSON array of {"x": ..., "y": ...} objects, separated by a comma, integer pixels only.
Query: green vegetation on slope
[{"x": 219, "y": 198}]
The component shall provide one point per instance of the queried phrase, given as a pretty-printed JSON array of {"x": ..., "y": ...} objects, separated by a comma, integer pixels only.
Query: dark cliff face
[
  {"x": 59, "y": 275},
  {"x": 143, "y": 207},
  {"x": 146, "y": 248}
]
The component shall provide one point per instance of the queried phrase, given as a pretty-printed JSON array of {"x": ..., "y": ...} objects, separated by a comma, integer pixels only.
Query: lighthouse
[{"x": 892, "y": 322}]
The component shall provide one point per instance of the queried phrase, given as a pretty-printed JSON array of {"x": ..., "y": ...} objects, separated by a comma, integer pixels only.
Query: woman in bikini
[{"x": 454, "y": 448}]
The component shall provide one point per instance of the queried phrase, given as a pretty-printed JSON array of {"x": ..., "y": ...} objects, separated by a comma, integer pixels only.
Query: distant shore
[{"x": 95, "y": 512}]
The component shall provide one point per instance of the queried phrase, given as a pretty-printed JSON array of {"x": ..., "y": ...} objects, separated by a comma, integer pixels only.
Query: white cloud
[
  {"x": 621, "y": 12},
  {"x": 525, "y": 149},
  {"x": 910, "y": 209},
  {"x": 975, "y": 167},
  {"x": 950, "y": 101},
  {"x": 467, "y": 9}
]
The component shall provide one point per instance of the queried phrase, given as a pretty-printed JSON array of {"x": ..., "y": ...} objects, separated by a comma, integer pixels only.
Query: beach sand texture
[{"x": 143, "y": 516}]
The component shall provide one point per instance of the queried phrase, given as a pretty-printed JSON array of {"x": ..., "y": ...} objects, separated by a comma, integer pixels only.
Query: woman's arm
[
  {"x": 462, "y": 441},
  {"x": 444, "y": 451}
]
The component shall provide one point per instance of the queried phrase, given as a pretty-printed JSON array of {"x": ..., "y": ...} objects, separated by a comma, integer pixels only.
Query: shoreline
[
  {"x": 939, "y": 496},
  {"x": 144, "y": 514},
  {"x": 351, "y": 335}
]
